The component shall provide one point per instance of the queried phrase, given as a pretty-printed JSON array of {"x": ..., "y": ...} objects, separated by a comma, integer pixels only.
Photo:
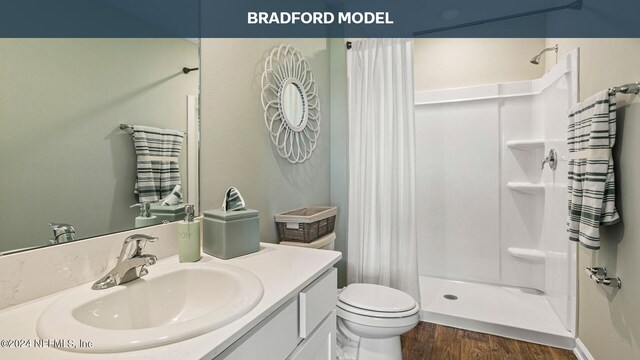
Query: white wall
[
  {"x": 609, "y": 320},
  {"x": 452, "y": 63}
]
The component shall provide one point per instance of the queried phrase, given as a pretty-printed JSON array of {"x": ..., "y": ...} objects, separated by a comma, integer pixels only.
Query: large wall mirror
[{"x": 65, "y": 158}]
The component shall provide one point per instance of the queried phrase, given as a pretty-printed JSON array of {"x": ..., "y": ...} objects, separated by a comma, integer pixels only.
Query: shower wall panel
[
  {"x": 457, "y": 172},
  {"x": 552, "y": 106},
  {"x": 520, "y": 212}
]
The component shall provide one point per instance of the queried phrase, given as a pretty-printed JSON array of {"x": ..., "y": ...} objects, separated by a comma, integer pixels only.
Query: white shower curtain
[{"x": 382, "y": 227}]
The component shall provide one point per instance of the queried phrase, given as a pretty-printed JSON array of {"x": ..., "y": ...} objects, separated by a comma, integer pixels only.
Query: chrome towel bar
[
  {"x": 129, "y": 129},
  {"x": 631, "y": 88},
  {"x": 597, "y": 274}
]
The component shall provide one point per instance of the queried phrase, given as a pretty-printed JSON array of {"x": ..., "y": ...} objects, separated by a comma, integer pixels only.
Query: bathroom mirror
[
  {"x": 291, "y": 104},
  {"x": 65, "y": 158}
]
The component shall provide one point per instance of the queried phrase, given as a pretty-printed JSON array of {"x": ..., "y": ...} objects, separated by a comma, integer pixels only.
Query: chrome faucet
[
  {"x": 551, "y": 159},
  {"x": 131, "y": 263},
  {"x": 62, "y": 233}
]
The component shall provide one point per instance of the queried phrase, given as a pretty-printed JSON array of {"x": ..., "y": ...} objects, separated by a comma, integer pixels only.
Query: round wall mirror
[{"x": 291, "y": 104}]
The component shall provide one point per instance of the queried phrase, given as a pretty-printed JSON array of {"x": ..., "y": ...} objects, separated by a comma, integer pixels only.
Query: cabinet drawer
[
  {"x": 321, "y": 344},
  {"x": 317, "y": 300},
  {"x": 272, "y": 339}
]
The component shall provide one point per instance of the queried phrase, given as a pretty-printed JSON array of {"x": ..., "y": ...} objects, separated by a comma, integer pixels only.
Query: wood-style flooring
[{"x": 436, "y": 342}]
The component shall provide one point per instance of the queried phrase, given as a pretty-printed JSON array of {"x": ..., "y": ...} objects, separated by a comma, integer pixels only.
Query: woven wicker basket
[{"x": 306, "y": 224}]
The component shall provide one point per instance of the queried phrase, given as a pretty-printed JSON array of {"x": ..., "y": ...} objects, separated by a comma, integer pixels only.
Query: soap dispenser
[
  {"x": 145, "y": 218},
  {"x": 189, "y": 237}
]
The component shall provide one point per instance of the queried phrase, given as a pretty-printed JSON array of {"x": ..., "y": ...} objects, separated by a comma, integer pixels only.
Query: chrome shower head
[{"x": 536, "y": 59}]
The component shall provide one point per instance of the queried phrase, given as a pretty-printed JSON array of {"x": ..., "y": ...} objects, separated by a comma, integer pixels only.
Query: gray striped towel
[
  {"x": 157, "y": 164},
  {"x": 591, "y": 186}
]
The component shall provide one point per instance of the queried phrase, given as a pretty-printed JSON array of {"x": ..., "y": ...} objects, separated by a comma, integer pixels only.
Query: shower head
[{"x": 536, "y": 59}]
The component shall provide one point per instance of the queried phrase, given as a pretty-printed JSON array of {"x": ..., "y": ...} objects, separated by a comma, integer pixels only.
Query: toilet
[{"x": 371, "y": 317}]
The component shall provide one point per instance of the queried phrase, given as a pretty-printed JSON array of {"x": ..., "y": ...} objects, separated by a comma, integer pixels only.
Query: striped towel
[
  {"x": 591, "y": 135},
  {"x": 158, "y": 172}
]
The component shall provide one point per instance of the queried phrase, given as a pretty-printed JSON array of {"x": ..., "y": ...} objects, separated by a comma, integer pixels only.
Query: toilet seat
[
  {"x": 379, "y": 322},
  {"x": 379, "y": 314},
  {"x": 377, "y": 298},
  {"x": 377, "y": 305}
]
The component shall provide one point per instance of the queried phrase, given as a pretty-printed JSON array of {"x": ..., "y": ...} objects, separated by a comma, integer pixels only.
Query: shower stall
[{"x": 492, "y": 245}]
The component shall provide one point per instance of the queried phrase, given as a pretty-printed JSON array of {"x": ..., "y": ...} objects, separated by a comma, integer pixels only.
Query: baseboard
[{"x": 581, "y": 351}]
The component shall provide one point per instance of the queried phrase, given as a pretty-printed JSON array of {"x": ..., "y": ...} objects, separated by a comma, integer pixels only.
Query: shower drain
[{"x": 450, "y": 297}]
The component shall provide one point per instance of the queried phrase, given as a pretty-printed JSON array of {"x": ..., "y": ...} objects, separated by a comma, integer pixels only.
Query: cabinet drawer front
[
  {"x": 317, "y": 300},
  {"x": 321, "y": 344},
  {"x": 273, "y": 339}
]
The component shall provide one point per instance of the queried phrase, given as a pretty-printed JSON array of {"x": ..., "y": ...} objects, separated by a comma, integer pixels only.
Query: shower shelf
[
  {"x": 528, "y": 145},
  {"x": 527, "y": 188}
]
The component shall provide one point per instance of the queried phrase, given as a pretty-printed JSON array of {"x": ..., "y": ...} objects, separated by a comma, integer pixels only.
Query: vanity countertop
[{"x": 283, "y": 270}]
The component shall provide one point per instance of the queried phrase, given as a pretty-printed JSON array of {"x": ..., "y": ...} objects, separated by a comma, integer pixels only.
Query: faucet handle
[
  {"x": 140, "y": 238},
  {"x": 551, "y": 159},
  {"x": 140, "y": 242}
]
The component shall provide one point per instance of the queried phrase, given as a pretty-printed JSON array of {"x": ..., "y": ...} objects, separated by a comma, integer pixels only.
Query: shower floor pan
[{"x": 504, "y": 311}]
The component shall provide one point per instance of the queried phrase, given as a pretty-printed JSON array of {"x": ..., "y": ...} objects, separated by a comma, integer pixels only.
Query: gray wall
[
  {"x": 236, "y": 149},
  {"x": 608, "y": 319},
  {"x": 63, "y": 157}
]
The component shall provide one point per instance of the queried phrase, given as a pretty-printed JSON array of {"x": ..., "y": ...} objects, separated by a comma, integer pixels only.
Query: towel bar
[
  {"x": 632, "y": 88},
  {"x": 129, "y": 129},
  {"x": 595, "y": 275}
]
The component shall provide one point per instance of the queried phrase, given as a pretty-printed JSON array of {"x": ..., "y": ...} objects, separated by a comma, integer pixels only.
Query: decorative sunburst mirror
[{"x": 291, "y": 104}]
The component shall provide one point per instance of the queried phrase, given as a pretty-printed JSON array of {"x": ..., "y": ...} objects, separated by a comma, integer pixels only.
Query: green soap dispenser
[
  {"x": 189, "y": 237},
  {"x": 145, "y": 218}
]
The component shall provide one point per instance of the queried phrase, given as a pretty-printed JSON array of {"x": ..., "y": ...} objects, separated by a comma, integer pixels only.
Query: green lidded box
[
  {"x": 229, "y": 234},
  {"x": 169, "y": 213}
]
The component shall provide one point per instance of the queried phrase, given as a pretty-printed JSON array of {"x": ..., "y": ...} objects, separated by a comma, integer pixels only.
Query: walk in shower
[{"x": 492, "y": 245}]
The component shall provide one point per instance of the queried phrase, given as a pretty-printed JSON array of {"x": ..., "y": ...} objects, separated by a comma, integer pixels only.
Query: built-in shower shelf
[
  {"x": 527, "y": 188},
  {"x": 531, "y": 255},
  {"x": 528, "y": 145}
]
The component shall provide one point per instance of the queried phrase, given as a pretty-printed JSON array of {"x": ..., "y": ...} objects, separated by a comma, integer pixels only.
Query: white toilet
[{"x": 371, "y": 317}]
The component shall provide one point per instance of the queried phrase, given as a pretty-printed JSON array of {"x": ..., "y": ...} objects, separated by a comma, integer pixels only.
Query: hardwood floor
[{"x": 436, "y": 342}]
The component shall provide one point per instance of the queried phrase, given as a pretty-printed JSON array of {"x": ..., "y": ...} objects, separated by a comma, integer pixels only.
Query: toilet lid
[{"x": 376, "y": 298}]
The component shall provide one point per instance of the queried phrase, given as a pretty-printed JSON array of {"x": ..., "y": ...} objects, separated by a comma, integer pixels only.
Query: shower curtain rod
[{"x": 575, "y": 5}]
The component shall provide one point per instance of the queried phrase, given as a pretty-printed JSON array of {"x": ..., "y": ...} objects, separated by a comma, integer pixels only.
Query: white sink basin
[{"x": 173, "y": 303}]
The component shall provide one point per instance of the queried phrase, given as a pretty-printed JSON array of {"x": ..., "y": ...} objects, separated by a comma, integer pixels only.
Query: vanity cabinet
[{"x": 303, "y": 328}]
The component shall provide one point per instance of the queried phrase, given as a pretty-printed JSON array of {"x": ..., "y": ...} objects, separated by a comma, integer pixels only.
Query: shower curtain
[{"x": 382, "y": 226}]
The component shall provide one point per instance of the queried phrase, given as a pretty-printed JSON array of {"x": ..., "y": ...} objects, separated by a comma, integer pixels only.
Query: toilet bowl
[{"x": 371, "y": 319}]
